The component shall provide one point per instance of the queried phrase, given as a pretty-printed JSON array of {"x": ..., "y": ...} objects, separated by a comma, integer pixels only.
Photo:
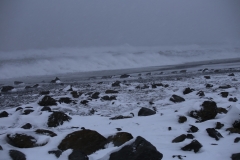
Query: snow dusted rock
[
  {"x": 116, "y": 84},
  {"x": 85, "y": 102},
  {"x": 27, "y": 126},
  {"x": 219, "y": 125},
  {"x": 225, "y": 86},
  {"x": 17, "y": 155},
  {"x": 47, "y": 101},
  {"x": 56, "y": 80},
  {"x": 180, "y": 138},
  {"x": 27, "y": 111},
  {"x": 57, "y": 153},
  {"x": 57, "y": 118},
  {"x": 231, "y": 74},
  {"x": 108, "y": 98},
  {"x": 119, "y": 138},
  {"x": 224, "y": 94},
  {"x": 77, "y": 154},
  {"x": 214, "y": 133},
  {"x": 3, "y": 114},
  {"x": 188, "y": 90},
  {"x": 46, "y": 108},
  {"x": 140, "y": 149},
  {"x": 201, "y": 94},
  {"x": 176, "y": 99},
  {"x": 233, "y": 99},
  {"x": 95, "y": 95},
  {"x": 120, "y": 117},
  {"x": 124, "y": 76},
  {"x": 7, "y": 88},
  {"x": 111, "y": 92},
  {"x": 23, "y": 141},
  {"x": 194, "y": 145},
  {"x": 208, "y": 111},
  {"x": 209, "y": 85},
  {"x": 66, "y": 100},
  {"x": 19, "y": 108},
  {"x": 235, "y": 156},
  {"x": 88, "y": 141},
  {"x": 45, "y": 132},
  {"x": 146, "y": 112},
  {"x": 221, "y": 110},
  {"x": 193, "y": 129},
  {"x": 182, "y": 119},
  {"x": 76, "y": 94},
  {"x": 207, "y": 77}
]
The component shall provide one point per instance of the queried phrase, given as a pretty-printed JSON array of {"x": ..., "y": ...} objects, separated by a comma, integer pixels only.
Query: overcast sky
[{"x": 40, "y": 24}]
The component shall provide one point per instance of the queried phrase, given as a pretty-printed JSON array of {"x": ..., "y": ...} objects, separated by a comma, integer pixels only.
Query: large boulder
[
  {"x": 47, "y": 101},
  {"x": 138, "y": 150},
  {"x": 119, "y": 138},
  {"x": 235, "y": 156},
  {"x": 146, "y": 112},
  {"x": 17, "y": 155},
  {"x": 176, "y": 99},
  {"x": 87, "y": 141},
  {"x": 57, "y": 118},
  {"x": 208, "y": 111}
]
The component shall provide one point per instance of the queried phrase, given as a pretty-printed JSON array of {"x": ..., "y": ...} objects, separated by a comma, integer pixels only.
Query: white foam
[{"x": 69, "y": 60}]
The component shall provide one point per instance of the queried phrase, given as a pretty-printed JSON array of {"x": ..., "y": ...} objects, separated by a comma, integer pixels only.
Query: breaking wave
[{"x": 69, "y": 60}]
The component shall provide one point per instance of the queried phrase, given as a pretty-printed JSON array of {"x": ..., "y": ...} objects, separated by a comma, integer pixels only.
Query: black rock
[
  {"x": 45, "y": 132},
  {"x": 107, "y": 98},
  {"x": 44, "y": 92},
  {"x": 190, "y": 136},
  {"x": 17, "y": 82},
  {"x": 194, "y": 145},
  {"x": 124, "y": 76},
  {"x": 116, "y": 84},
  {"x": 224, "y": 94},
  {"x": 237, "y": 139},
  {"x": 77, "y": 154},
  {"x": 193, "y": 129},
  {"x": 221, "y": 110},
  {"x": 27, "y": 111},
  {"x": 47, "y": 101},
  {"x": 225, "y": 87},
  {"x": 214, "y": 133},
  {"x": 207, "y": 77},
  {"x": 119, "y": 138},
  {"x": 17, "y": 155},
  {"x": 188, "y": 90},
  {"x": 27, "y": 126},
  {"x": 4, "y": 114},
  {"x": 120, "y": 117},
  {"x": 182, "y": 119},
  {"x": 180, "y": 138},
  {"x": 232, "y": 74},
  {"x": 111, "y": 92},
  {"x": 84, "y": 102},
  {"x": 55, "y": 80},
  {"x": 176, "y": 99},
  {"x": 146, "y": 112},
  {"x": 57, "y": 118},
  {"x": 6, "y": 88},
  {"x": 201, "y": 93},
  {"x": 57, "y": 153},
  {"x": 236, "y": 124},
  {"x": 140, "y": 149},
  {"x": 209, "y": 85},
  {"x": 21, "y": 140},
  {"x": 233, "y": 99},
  {"x": 1, "y": 148},
  {"x": 219, "y": 125},
  {"x": 95, "y": 95},
  {"x": 183, "y": 71},
  {"x": 75, "y": 94},
  {"x": 236, "y": 156},
  {"x": 46, "y": 108},
  {"x": 19, "y": 108},
  {"x": 66, "y": 100}
]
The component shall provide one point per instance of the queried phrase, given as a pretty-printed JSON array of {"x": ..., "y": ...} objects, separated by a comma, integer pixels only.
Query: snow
[{"x": 129, "y": 99}]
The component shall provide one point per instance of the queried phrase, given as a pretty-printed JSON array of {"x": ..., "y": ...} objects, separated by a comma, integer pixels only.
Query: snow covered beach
[{"x": 106, "y": 104}]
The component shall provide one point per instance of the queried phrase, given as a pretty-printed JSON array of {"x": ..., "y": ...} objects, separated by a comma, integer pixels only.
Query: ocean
[{"x": 53, "y": 61}]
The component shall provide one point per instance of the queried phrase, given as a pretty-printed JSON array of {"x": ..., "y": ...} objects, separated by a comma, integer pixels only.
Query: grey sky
[{"x": 39, "y": 24}]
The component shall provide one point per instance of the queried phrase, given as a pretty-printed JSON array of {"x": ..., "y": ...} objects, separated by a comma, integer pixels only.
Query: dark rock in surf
[
  {"x": 214, "y": 133},
  {"x": 200, "y": 94},
  {"x": 108, "y": 98},
  {"x": 225, "y": 87},
  {"x": 95, "y": 95},
  {"x": 7, "y": 88},
  {"x": 188, "y": 90},
  {"x": 224, "y": 94},
  {"x": 233, "y": 99},
  {"x": 66, "y": 100},
  {"x": 27, "y": 111},
  {"x": 120, "y": 117},
  {"x": 111, "y": 92},
  {"x": 75, "y": 94},
  {"x": 194, "y": 145},
  {"x": 124, "y": 76},
  {"x": 231, "y": 74},
  {"x": 140, "y": 149},
  {"x": 88, "y": 141},
  {"x": 57, "y": 118},
  {"x": 85, "y": 102},
  {"x": 17, "y": 155},
  {"x": 119, "y": 138},
  {"x": 77, "y": 154},
  {"x": 207, "y": 77},
  {"x": 209, "y": 85},
  {"x": 146, "y": 112},
  {"x": 44, "y": 92},
  {"x": 116, "y": 84},
  {"x": 56, "y": 80},
  {"x": 4, "y": 114},
  {"x": 176, "y": 99},
  {"x": 18, "y": 83},
  {"x": 47, "y": 101},
  {"x": 46, "y": 108},
  {"x": 19, "y": 108}
]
